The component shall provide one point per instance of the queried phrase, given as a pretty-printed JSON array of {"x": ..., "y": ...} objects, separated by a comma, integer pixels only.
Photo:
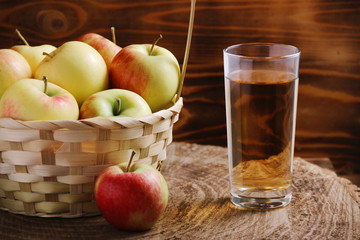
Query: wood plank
[{"x": 326, "y": 31}]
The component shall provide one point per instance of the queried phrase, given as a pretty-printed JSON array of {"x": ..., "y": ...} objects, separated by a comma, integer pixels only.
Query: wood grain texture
[
  {"x": 326, "y": 31},
  {"x": 324, "y": 206}
]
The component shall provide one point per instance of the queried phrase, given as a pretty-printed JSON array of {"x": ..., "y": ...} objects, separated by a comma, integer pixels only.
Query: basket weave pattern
[{"x": 48, "y": 168}]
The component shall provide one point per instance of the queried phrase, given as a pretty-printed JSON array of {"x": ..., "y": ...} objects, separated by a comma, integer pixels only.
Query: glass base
[{"x": 261, "y": 203}]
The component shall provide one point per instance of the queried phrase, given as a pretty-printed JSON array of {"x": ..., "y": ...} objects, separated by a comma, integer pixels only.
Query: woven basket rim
[{"x": 93, "y": 122}]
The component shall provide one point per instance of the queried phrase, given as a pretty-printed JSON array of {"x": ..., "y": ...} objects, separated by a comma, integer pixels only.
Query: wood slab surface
[{"x": 324, "y": 206}]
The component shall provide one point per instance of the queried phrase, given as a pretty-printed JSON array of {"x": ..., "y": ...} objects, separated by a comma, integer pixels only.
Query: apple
[
  {"x": 76, "y": 67},
  {"x": 33, "y": 99},
  {"x": 114, "y": 102},
  {"x": 13, "y": 67},
  {"x": 33, "y": 54},
  {"x": 104, "y": 46},
  {"x": 131, "y": 197},
  {"x": 151, "y": 71}
]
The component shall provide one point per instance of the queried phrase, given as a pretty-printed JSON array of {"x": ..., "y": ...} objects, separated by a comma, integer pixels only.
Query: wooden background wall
[{"x": 326, "y": 31}]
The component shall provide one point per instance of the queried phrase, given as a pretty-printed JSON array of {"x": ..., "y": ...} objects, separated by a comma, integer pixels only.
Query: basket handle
[{"x": 187, "y": 49}]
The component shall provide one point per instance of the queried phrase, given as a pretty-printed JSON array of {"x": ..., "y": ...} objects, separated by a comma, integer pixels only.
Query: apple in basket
[
  {"x": 114, "y": 102},
  {"x": 77, "y": 67},
  {"x": 33, "y": 99},
  {"x": 131, "y": 197},
  {"x": 149, "y": 70},
  {"x": 104, "y": 46},
  {"x": 13, "y": 67},
  {"x": 33, "y": 54}
]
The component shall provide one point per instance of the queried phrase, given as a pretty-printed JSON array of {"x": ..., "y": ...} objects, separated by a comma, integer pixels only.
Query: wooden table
[{"x": 324, "y": 206}]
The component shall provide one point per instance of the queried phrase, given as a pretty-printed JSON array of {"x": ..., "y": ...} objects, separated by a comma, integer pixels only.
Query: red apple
[
  {"x": 131, "y": 198},
  {"x": 13, "y": 67},
  {"x": 104, "y": 46},
  {"x": 151, "y": 71}
]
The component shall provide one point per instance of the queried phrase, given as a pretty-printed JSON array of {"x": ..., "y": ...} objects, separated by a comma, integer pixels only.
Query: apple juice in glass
[{"x": 261, "y": 85}]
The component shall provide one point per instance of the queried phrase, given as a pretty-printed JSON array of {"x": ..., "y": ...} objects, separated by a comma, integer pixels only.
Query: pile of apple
[{"x": 88, "y": 77}]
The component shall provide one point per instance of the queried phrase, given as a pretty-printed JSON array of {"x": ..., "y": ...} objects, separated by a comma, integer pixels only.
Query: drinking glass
[{"x": 261, "y": 87}]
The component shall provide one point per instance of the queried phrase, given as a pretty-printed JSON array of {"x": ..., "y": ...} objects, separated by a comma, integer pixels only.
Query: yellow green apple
[
  {"x": 115, "y": 102},
  {"x": 33, "y": 99},
  {"x": 76, "y": 67},
  {"x": 33, "y": 55}
]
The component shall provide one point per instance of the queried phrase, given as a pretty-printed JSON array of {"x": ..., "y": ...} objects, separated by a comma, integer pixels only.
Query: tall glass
[{"x": 261, "y": 86}]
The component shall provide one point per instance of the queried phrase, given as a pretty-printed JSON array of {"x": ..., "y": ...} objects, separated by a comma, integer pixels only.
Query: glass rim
[{"x": 292, "y": 55}]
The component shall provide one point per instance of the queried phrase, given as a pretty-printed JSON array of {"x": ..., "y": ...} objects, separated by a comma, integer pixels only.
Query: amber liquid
[{"x": 261, "y": 112}]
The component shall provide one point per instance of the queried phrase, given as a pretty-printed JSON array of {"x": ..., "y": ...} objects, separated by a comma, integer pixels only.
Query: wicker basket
[{"x": 48, "y": 168}]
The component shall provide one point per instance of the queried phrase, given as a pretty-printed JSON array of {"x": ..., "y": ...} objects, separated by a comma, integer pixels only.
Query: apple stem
[
  {"x": 45, "y": 84},
  {"x": 158, "y": 167},
  {"x": 21, "y": 37},
  {"x": 130, "y": 161},
  {"x": 113, "y": 34},
  {"x": 47, "y": 54},
  {"x": 118, "y": 106},
  {"x": 155, "y": 42}
]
